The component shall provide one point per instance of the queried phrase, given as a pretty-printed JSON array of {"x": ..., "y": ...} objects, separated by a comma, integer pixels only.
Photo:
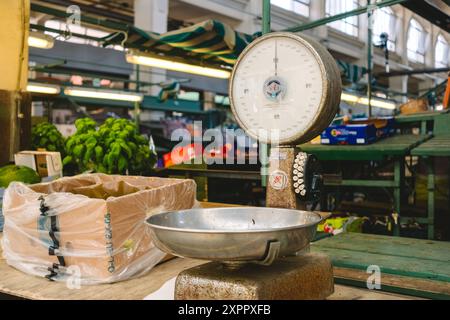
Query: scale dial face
[{"x": 279, "y": 88}]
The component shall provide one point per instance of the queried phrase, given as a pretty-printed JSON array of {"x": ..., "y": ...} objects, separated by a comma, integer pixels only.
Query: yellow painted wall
[{"x": 14, "y": 25}]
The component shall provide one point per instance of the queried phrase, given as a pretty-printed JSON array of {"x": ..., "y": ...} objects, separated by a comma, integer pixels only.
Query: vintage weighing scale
[{"x": 284, "y": 90}]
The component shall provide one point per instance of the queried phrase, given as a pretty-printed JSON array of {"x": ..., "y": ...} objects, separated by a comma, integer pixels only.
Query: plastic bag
[
  {"x": 2, "y": 190},
  {"x": 89, "y": 228}
]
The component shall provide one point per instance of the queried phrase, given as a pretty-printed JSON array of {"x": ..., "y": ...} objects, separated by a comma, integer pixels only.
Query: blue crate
[{"x": 358, "y": 132}]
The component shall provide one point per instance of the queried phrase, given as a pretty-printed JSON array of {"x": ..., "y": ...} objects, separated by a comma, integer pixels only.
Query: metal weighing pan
[{"x": 234, "y": 235}]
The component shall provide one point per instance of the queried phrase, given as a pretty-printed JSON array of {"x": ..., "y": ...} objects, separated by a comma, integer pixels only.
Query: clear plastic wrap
[{"x": 91, "y": 227}]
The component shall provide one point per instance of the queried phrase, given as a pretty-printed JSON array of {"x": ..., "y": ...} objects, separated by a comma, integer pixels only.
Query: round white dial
[{"x": 279, "y": 86}]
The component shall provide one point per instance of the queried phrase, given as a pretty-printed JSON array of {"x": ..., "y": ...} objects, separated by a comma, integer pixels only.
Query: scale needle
[{"x": 276, "y": 58}]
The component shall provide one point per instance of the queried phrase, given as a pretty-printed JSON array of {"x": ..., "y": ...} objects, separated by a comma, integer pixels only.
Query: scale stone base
[{"x": 308, "y": 276}]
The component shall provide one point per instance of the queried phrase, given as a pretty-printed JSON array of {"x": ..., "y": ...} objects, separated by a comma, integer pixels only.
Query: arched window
[
  {"x": 348, "y": 25},
  {"x": 384, "y": 20},
  {"x": 441, "y": 53},
  {"x": 416, "y": 42},
  {"x": 298, "y": 6}
]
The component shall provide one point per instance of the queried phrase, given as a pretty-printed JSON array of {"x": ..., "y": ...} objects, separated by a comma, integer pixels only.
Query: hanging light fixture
[
  {"x": 137, "y": 57},
  {"x": 40, "y": 40},
  {"x": 103, "y": 94}
]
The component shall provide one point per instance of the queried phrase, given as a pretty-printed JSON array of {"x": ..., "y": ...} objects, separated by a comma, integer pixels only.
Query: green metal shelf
[
  {"x": 438, "y": 146},
  {"x": 418, "y": 117},
  {"x": 398, "y": 145}
]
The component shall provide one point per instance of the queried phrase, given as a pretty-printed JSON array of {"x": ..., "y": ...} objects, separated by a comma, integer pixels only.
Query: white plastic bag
[{"x": 89, "y": 228}]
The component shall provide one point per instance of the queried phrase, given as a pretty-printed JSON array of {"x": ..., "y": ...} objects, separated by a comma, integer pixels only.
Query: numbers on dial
[{"x": 277, "y": 86}]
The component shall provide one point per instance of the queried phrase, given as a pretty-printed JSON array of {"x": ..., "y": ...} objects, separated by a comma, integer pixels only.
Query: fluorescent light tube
[
  {"x": 365, "y": 101},
  {"x": 43, "y": 88},
  {"x": 164, "y": 63},
  {"x": 40, "y": 40},
  {"x": 103, "y": 94}
]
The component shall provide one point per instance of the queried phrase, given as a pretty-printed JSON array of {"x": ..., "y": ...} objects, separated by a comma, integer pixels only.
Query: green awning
[
  {"x": 351, "y": 72},
  {"x": 209, "y": 40}
]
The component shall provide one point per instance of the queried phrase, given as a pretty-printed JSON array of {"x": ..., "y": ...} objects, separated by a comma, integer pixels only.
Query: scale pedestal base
[{"x": 308, "y": 276}]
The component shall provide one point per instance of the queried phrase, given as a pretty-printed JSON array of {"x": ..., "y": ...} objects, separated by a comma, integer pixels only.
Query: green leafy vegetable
[
  {"x": 115, "y": 148},
  {"x": 46, "y": 136}
]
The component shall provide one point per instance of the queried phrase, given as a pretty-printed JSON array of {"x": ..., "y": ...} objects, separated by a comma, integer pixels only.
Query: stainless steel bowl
[{"x": 235, "y": 234}]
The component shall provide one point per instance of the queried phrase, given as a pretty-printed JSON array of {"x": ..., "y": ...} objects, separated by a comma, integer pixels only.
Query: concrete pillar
[
  {"x": 399, "y": 84},
  {"x": 151, "y": 15},
  {"x": 429, "y": 44},
  {"x": 363, "y": 22},
  {"x": 251, "y": 23},
  {"x": 316, "y": 12},
  {"x": 402, "y": 41},
  {"x": 435, "y": 32}
]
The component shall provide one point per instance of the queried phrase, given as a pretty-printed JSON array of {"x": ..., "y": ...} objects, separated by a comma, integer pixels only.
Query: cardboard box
[
  {"x": 414, "y": 106},
  {"x": 94, "y": 223},
  {"x": 47, "y": 164},
  {"x": 358, "y": 131}
]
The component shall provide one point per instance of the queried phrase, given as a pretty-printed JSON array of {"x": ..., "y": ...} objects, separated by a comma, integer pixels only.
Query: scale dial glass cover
[{"x": 278, "y": 88}]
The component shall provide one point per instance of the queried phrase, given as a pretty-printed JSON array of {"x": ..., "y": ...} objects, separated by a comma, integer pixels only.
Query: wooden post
[
  {"x": 15, "y": 124},
  {"x": 14, "y": 104},
  {"x": 8, "y": 123}
]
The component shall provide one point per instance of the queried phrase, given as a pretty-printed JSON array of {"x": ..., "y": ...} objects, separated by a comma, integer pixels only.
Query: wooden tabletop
[
  {"x": 397, "y": 145},
  {"x": 414, "y": 266},
  {"x": 18, "y": 284}
]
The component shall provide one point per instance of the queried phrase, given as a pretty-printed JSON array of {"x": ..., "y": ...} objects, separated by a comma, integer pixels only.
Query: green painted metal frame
[
  {"x": 430, "y": 190},
  {"x": 422, "y": 118},
  {"x": 148, "y": 103},
  {"x": 63, "y": 32},
  {"x": 264, "y": 148},
  {"x": 366, "y": 9},
  {"x": 374, "y": 152},
  {"x": 152, "y": 103},
  {"x": 56, "y": 70},
  {"x": 438, "y": 89},
  {"x": 116, "y": 26},
  {"x": 396, "y": 184},
  {"x": 398, "y": 161},
  {"x": 395, "y": 146},
  {"x": 266, "y": 28},
  {"x": 89, "y": 20},
  {"x": 438, "y": 146},
  {"x": 84, "y": 18},
  {"x": 369, "y": 59}
]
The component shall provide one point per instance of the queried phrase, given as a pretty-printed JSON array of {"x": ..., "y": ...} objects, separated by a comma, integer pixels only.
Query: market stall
[{"x": 171, "y": 155}]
